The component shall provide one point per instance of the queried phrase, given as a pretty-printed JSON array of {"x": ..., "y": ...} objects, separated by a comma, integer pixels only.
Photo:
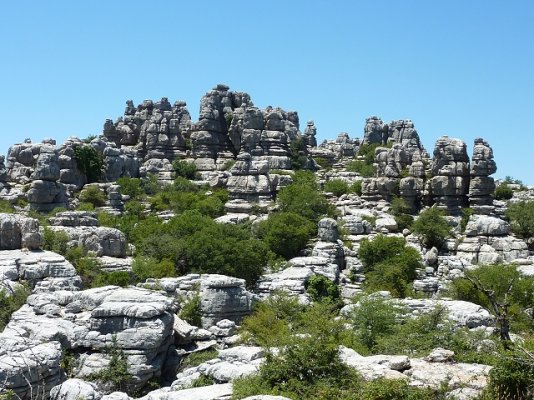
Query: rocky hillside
[{"x": 235, "y": 257}]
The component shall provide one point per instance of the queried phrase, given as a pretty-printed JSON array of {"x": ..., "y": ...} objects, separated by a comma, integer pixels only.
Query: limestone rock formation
[
  {"x": 18, "y": 232},
  {"x": 140, "y": 321},
  {"x": 102, "y": 241},
  {"x": 223, "y": 297},
  {"x": 449, "y": 184},
  {"x": 156, "y": 130},
  {"x": 481, "y": 185}
]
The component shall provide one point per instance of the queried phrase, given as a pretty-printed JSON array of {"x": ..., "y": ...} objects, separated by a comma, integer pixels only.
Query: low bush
[
  {"x": 389, "y": 264},
  {"x": 286, "y": 233},
  {"x": 93, "y": 195},
  {"x": 322, "y": 289},
  {"x": 146, "y": 267},
  {"x": 90, "y": 162},
  {"x": 365, "y": 170},
  {"x": 6, "y": 207},
  {"x": 115, "y": 376},
  {"x": 197, "y": 358},
  {"x": 304, "y": 198},
  {"x": 432, "y": 227},
  {"x": 356, "y": 187},
  {"x": 131, "y": 187},
  {"x": 512, "y": 377},
  {"x": 9, "y": 303},
  {"x": 190, "y": 311},
  {"x": 521, "y": 216},
  {"x": 185, "y": 169},
  {"x": 503, "y": 192},
  {"x": 56, "y": 241},
  {"x": 336, "y": 186}
]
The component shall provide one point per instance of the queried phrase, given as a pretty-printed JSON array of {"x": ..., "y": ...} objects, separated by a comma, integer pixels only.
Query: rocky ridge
[{"x": 262, "y": 144}]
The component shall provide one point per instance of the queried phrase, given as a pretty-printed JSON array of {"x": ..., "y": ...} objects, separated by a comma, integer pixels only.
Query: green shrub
[
  {"x": 389, "y": 264},
  {"x": 399, "y": 206},
  {"x": 336, "y": 186},
  {"x": 6, "y": 207},
  {"x": 151, "y": 184},
  {"x": 521, "y": 217},
  {"x": 512, "y": 377},
  {"x": 191, "y": 312},
  {"x": 303, "y": 197},
  {"x": 286, "y": 233},
  {"x": 228, "y": 165},
  {"x": 196, "y": 243},
  {"x": 9, "y": 303},
  {"x": 365, "y": 170},
  {"x": 356, "y": 187},
  {"x": 320, "y": 288},
  {"x": 323, "y": 163},
  {"x": 503, "y": 192},
  {"x": 432, "y": 227},
  {"x": 512, "y": 293},
  {"x": 55, "y": 241},
  {"x": 94, "y": 196},
  {"x": 130, "y": 187},
  {"x": 146, "y": 267},
  {"x": 185, "y": 169},
  {"x": 203, "y": 380},
  {"x": 374, "y": 317},
  {"x": 90, "y": 162},
  {"x": 115, "y": 278},
  {"x": 309, "y": 360},
  {"x": 297, "y": 150},
  {"x": 269, "y": 324}
]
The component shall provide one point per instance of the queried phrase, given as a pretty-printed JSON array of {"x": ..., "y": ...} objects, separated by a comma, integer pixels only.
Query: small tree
[
  {"x": 501, "y": 289},
  {"x": 432, "y": 227}
]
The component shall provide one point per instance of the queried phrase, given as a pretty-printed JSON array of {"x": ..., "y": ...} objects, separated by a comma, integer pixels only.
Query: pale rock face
[
  {"x": 223, "y": 297},
  {"x": 482, "y": 225},
  {"x": 141, "y": 321},
  {"x": 18, "y": 232},
  {"x": 74, "y": 389},
  {"x": 23, "y": 361},
  {"x": 328, "y": 230},
  {"x": 101, "y": 240}
]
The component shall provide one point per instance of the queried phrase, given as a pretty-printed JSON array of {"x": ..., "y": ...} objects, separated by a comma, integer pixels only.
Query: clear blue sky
[{"x": 461, "y": 68}]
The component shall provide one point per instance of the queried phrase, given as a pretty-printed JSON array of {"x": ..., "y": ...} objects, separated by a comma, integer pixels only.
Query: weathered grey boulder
[
  {"x": 75, "y": 389},
  {"x": 18, "y": 232},
  {"x": 102, "y": 241},
  {"x": 29, "y": 368},
  {"x": 482, "y": 225},
  {"x": 138, "y": 321},
  {"x": 223, "y": 297},
  {"x": 327, "y": 230}
]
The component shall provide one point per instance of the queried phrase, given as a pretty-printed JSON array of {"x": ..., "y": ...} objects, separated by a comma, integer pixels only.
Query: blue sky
[{"x": 460, "y": 68}]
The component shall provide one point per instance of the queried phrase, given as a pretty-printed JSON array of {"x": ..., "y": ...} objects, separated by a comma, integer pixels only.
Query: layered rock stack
[
  {"x": 375, "y": 131},
  {"x": 156, "y": 129},
  {"x": 449, "y": 184},
  {"x": 481, "y": 185},
  {"x": 250, "y": 180},
  {"x": 309, "y": 134},
  {"x": 209, "y": 135},
  {"x": 224, "y": 297},
  {"x": 45, "y": 192}
]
